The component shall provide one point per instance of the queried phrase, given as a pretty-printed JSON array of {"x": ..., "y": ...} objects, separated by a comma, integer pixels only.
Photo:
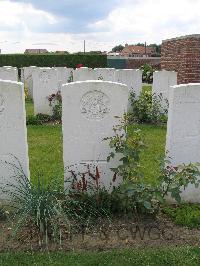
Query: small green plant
[{"x": 148, "y": 108}]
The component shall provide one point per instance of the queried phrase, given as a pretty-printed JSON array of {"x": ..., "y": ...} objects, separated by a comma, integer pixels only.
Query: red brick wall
[
  {"x": 135, "y": 63},
  {"x": 183, "y": 56}
]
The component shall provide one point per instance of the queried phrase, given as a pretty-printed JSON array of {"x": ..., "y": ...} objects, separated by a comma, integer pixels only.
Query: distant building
[
  {"x": 36, "y": 51},
  {"x": 113, "y": 53},
  {"x": 61, "y": 52},
  {"x": 137, "y": 51}
]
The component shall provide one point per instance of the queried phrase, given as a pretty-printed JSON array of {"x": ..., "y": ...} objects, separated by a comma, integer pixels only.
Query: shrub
[
  {"x": 147, "y": 73},
  {"x": 53, "y": 60},
  {"x": 148, "y": 108},
  {"x": 55, "y": 100},
  {"x": 39, "y": 119}
]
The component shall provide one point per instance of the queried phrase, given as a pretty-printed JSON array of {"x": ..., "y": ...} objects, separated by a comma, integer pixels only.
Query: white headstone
[
  {"x": 65, "y": 75},
  {"x": 162, "y": 80},
  {"x": 131, "y": 77},
  {"x": 105, "y": 74},
  {"x": 13, "y": 134},
  {"x": 183, "y": 130},
  {"x": 93, "y": 105},
  {"x": 45, "y": 83},
  {"x": 83, "y": 74},
  {"x": 28, "y": 79},
  {"x": 9, "y": 73}
]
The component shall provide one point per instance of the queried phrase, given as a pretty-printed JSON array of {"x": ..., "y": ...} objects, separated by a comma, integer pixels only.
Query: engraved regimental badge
[{"x": 95, "y": 105}]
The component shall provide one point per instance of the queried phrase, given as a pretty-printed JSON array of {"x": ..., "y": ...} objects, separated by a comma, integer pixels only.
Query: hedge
[{"x": 51, "y": 60}]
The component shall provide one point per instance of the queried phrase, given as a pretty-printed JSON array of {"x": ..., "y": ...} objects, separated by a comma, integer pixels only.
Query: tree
[
  {"x": 157, "y": 48},
  {"x": 118, "y": 48},
  {"x": 140, "y": 44}
]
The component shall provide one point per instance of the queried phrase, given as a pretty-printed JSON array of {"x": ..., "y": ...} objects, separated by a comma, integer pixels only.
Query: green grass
[
  {"x": 29, "y": 107},
  {"x": 166, "y": 256},
  {"x": 45, "y": 152},
  {"x": 154, "y": 139}
]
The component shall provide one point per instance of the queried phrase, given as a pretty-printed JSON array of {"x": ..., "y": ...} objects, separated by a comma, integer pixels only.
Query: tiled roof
[{"x": 136, "y": 49}]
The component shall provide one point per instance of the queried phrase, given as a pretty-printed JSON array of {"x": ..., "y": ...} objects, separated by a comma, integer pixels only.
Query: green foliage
[
  {"x": 157, "y": 48},
  {"x": 142, "y": 196},
  {"x": 118, "y": 48},
  {"x": 55, "y": 99},
  {"x": 52, "y": 60},
  {"x": 137, "y": 195},
  {"x": 185, "y": 214},
  {"x": 147, "y": 73},
  {"x": 173, "y": 179},
  {"x": 39, "y": 119},
  {"x": 128, "y": 148},
  {"x": 148, "y": 108}
]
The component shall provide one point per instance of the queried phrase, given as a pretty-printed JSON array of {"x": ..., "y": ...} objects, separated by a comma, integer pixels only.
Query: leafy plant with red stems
[{"x": 142, "y": 196}]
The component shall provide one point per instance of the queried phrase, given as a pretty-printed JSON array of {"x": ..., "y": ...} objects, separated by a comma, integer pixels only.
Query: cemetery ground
[{"x": 174, "y": 247}]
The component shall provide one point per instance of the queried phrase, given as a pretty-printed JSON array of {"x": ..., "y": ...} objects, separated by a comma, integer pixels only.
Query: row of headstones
[
  {"x": 49, "y": 80},
  {"x": 42, "y": 82},
  {"x": 92, "y": 106}
]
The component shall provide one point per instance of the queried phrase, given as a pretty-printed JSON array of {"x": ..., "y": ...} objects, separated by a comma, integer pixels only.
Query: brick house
[{"x": 137, "y": 51}]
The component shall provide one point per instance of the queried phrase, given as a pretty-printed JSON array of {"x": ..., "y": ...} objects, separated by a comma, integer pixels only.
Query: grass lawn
[
  {"x": 45, "y": 152},
  {"x": 168, "y": 256}
]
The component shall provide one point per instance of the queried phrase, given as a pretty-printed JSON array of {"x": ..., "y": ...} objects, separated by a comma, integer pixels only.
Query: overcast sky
[{"x": 64, "y": 24}]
